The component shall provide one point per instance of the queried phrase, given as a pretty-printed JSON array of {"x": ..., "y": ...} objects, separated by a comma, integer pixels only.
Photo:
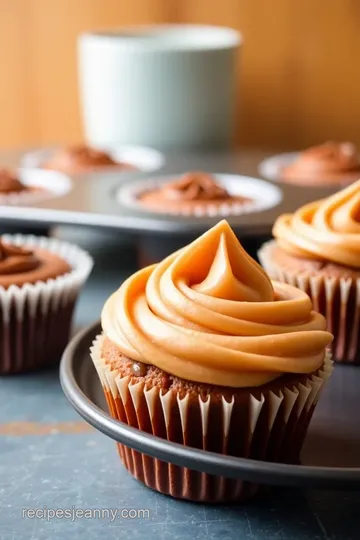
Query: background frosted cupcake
[
  {"x": 329, "y": 163},
  {"x": 82, "y": 159},
  {"x": 40, "y": 280},
  {"x": 14, "y": 191},
  {"x": 318, "y": 249},
  {"x": 202, "y": 349},
  {"x": 199, "y": 194}
]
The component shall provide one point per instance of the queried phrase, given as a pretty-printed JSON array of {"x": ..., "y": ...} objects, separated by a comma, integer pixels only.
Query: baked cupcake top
[
  {"x": 9, "y": 183},
  {"x": 330, "y": 162},
  {"x": 210, "y": 314},
  {"x": 21, "y": 265},
  {"x": 82, "y": 158},
  {"x": 187, "y": 192},
  {"x": 326, "y": 230}
]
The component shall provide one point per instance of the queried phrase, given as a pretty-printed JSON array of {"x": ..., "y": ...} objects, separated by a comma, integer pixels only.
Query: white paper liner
[
  {"x": 35, "y": 318},
  {"x": 266, "y": 425},
  {"x": 46, "y": 184},
  {"x": 141, "y": 157},
  {"x": 271, "y": 167},
  {"x": 338, "y": 299},
  {"x": 263, "y": 196}
]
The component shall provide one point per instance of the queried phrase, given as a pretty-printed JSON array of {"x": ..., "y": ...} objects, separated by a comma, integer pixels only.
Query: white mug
[{"x": 171, "y": 86}]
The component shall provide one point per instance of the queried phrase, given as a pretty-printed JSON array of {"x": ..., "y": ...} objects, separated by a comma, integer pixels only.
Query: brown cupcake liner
[
  {"x": 35, "y": 319},
  {"x": 265, "y": 425},
  {"x": 338, "y": 299}
]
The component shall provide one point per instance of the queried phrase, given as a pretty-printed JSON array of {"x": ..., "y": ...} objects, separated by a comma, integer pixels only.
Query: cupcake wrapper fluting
[
  {"x": 337, "y": 299},
  {"x": 265, "y": 425},
  {"x": 35, "y": 319}
]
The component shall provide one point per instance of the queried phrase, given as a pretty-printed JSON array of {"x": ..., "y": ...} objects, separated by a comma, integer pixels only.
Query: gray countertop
[{"x": 49, "y": 458}]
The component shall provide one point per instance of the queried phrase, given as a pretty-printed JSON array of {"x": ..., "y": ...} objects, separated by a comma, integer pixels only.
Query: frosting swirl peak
[
  {"x": 16, "y": 259},
  {"x": 327, "y": 230},
  {"x": 209, "y": 313}
]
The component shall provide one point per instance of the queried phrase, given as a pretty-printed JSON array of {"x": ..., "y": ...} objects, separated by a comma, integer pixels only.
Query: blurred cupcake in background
[
  {"x": 22, "y": 187},
  {"x": 40, "y": 279},
  {"x": 328, "y": 163},
  {"x": 204, "y": 350},
  {"x": 318, "y": 249},
  {"x": 192, "y": 193},
  {"x": 80, "y": 159},
  {"x": 13, "y": 191},
  {"x": 200, "y": 194}
]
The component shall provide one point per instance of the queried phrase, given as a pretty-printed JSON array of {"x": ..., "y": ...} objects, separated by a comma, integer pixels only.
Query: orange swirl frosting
[
  {"x": 209, "y": 313},
  {"x": 15, "y": 259},
  {"x": 328, "y": 229}
]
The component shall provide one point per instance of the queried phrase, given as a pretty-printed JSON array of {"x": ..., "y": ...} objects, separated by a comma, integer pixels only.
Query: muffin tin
[
  {"x": 330, "y": 458},
  {"x": 93, "y": 200}
]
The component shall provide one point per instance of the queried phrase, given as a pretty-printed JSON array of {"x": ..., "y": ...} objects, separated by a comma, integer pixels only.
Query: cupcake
[
  {"x": 192, "y": 193},
  {"x": 328, "y": 163},
  {"x": 204, "y": 350},
  {"x": 12, "y": 190},
  {"x": 82, "y": 159},
  {"x": 318, "y": 249},
  {"x": 40, "y": 280},
  {"x": 10, "y": 183}
]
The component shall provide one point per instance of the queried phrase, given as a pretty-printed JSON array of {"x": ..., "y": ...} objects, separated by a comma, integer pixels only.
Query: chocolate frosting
[
  {"x": 329, "y": 161},
  {"x": 194, "y": 186},
  {"x": 81, "y": 158},
  {"x": 20, "y": 265},
  {"x": 9, "y": 183},
  {"x": 16, "y": 259}
]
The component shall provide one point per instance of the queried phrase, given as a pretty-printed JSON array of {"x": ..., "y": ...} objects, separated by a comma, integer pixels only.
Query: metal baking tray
[
  {"x": 330, "y": 458},
  {"x": 92, "y": 199}
]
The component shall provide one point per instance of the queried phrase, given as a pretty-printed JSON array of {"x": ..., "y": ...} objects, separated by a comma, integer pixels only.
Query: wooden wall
[{"x": 300, "y": 67}]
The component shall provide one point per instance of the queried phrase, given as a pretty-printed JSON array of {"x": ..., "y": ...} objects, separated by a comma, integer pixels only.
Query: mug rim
[{"x": 165, "y": 37}]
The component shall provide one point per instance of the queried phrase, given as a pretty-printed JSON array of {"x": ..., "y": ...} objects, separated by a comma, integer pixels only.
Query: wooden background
[{"x": 300, "y": 67}]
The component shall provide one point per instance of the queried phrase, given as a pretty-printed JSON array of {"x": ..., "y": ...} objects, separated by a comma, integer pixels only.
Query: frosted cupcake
[
  {"x": 40, "y": 280},
  {"x": 82, "y": 159},
  {"x": 318, "y": 249},
  {"x": 13, "y": 191},
  {"x": 204, "y": 350},
  {"x": 195, "y": 193},
  {"x": 328, "y": 163}
]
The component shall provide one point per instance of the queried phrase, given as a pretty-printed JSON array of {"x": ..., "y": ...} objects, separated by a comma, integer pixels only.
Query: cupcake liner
[
  {"x": 43, "y": 185},
  {"x": 258, "y": 424},
  {"x": 262, "y": 194},
  {"x": 338, "y": 299},
  {"x": 271, "y": 167},
  {"x": 35, "y": 319}
]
